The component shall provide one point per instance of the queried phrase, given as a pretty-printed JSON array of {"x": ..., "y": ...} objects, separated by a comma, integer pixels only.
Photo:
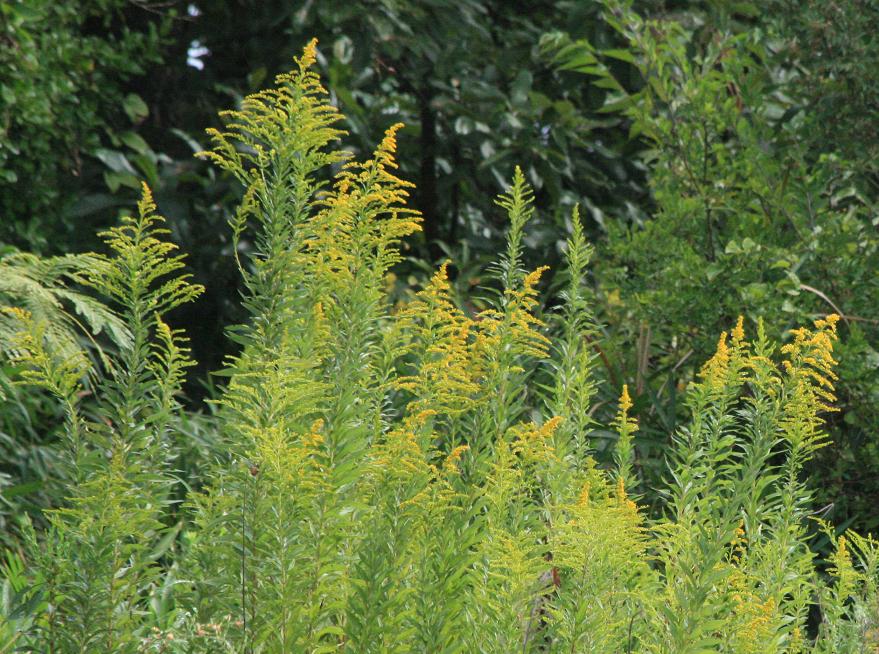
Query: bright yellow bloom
[
  {"x": 625, "y": 400},
  {"x": 451, "y": 462},
  {"x": 583, "y": 499},
  {"x": 716, "y": 370},
  {"x": 738, "y": 332}
]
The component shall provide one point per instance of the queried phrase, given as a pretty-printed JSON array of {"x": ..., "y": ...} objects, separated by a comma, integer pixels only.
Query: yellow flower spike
[
  {"x": 424, "y": 415},
  {"x": 22, "y": 315},
  {"x": 740, "y": 534},
  {"x": 451, "y": 463},
  {"x": 583, "y": 499},
  {"x": 446, "y": 372},
  {"x": 146, "y": 204},
  {"x": 549, "y": 427},
  {"x": 796, "y": 641},
  {"x": 518, "y": 318},
  {"x": 808, "y": 366},
  {"x": 738, "y": 332},
  {"x": 312, "y": 439},
  {"x": 739, "y": 543},
  {"x": 419, "y": 419},
  {"x": 309, "y": 55},
  {"x": 532, "y": 278},
  {"x": 715, "y": 370},
  {"x": 722, "y": 348},
  {"x": 625, "y": 400},
  {"x": 622, "y": 497},
  {"x": 756, "y": 627},
  {"x": 440, "y": 279},
  {"x": 624, "y": 453},
  {"x": 828, "y": 322},
  {"x": 389, "y": 142}
]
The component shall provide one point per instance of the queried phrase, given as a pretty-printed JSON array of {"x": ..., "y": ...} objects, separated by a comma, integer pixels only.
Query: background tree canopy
[{"x": 722, "y": 153}]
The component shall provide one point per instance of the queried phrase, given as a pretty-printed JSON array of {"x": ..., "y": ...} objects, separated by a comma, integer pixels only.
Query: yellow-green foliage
[
  {"x": 413, "y": 478},
  {"x": 98, "y": 558}
]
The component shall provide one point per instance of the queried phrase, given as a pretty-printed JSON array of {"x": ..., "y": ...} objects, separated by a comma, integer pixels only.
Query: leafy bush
[
  {"x": 408, "y": 476},
  {"x": 747, "y": 220},
  {"x": 827, "y": 48},
  {"x": 62, "y": 97}
]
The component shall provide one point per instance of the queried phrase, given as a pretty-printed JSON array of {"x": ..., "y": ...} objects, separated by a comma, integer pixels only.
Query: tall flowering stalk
[{"x": 407, "y": 477}]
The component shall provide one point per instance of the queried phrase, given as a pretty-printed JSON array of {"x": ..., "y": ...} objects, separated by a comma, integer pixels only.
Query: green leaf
[
  {"x": 621, "y": 55},
  {"x": 135, "y": 108},
  {"x": 135, "y": 142},
  {"x": 115, "y": 161},
  {"x": 115, "y": 180},
  {"x": 165, "y": 542}
]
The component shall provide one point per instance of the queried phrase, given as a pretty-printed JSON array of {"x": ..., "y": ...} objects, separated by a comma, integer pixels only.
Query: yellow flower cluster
[
  {"x": 451, "y": 463},
  {"x": 583, "y": 498},
  {"x": 739, "y": 543},
  {"x": 58, "y": 372},
  {"x": 517, "y": 323},
  {"x": 448, "y": 372},
  {"x": 625, "y": 401},
  {"x": 362, "y": 219},
  {"x": 810, "y": 357},
  {"x": 716, "y": 370},
  {"x": 731, "y": 357},
  {"x": 810, "y": 379},
  {"x": 756, "y": 620},
  {"x": 738, "y": 332},
  {"x": 533, "y": 442},
  {"x": 843, "y": 569}
]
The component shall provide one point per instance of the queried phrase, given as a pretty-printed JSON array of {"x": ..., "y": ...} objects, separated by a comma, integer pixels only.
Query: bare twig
[
  {"x": 842, "y": 314},
  {"x": 643, "y": 353}
]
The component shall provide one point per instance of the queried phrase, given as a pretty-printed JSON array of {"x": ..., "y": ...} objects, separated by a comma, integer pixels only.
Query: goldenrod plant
[
  {"x": 746, "y": 218},
  {"x": 411, "y": 476},
  {"x": 94, "y": 566}
]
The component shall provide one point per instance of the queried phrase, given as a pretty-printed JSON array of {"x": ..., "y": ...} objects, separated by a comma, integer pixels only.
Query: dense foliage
[
  {"x": 722, "y": 152},
  {"x": 64, "y": 107},
  {"x": 755, "y": 213},
  {"x": 393, "y": 470}
]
